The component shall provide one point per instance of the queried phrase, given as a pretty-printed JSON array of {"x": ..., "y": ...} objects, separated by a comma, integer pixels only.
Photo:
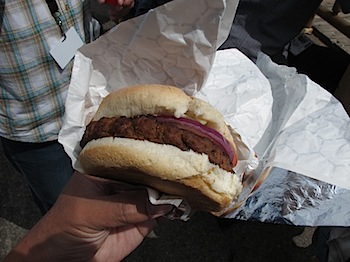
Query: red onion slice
[{"x": 211, "y": 133}]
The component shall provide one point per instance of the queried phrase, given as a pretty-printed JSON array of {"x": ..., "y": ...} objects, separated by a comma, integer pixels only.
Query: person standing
[
  {"x": 32, "y": 93},
  {"x": 35, "y": 38}
]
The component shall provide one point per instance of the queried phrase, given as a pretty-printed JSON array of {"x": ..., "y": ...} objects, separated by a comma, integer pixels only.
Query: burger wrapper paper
[{"x": 294, "y": 137}]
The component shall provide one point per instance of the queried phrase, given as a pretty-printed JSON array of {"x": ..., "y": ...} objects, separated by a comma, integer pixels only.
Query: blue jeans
[{"x": 46, "y": 167}]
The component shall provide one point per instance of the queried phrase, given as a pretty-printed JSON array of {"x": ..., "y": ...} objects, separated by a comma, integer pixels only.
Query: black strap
[
  {"x": 56, "y": 14},
  {"x": 52, "y": 6}
]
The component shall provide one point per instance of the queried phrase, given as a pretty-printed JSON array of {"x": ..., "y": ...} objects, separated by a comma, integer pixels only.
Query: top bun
[{"x": 162, "y": 100}]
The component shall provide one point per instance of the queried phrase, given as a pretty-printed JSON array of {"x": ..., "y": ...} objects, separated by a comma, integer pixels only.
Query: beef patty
[{"x": 147, "y": 127}]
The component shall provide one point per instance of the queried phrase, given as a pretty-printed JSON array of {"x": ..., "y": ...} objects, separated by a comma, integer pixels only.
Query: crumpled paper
[
  {"x": 310, "y": 130},
  {"x": 305, "y": 151},
  {"x": 284, "y": 118}
]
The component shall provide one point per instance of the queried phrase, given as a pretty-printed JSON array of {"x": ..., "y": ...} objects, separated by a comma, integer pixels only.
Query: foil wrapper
[{"x": 290, "y": 198}]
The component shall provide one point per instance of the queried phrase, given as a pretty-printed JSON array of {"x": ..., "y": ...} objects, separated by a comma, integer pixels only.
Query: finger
[
  {"x": 134, "y": 207},
  {"x": 89, "y": 201},
  {"x": 128, "y": 238},
  {"x": 140, "y": 230},
  {"x": 109, "y": 187},
  {"x": 90, "y": 186},
  {"x": 130, "y": 207}
]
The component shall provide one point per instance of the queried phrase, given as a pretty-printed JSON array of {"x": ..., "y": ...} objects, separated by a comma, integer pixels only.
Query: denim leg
[{"x": 46, "y": 166}]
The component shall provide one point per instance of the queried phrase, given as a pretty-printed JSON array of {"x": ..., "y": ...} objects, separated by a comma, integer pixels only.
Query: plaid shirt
[{"x": 33, "y": 88}]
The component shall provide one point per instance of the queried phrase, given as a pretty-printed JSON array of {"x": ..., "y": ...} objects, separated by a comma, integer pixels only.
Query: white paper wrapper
[
  {"x": 310, "y": 131},
  {"x": 309, "y": 136},
  {"x": 182, "y": 209},
  {"x": 286, "y": 119}
]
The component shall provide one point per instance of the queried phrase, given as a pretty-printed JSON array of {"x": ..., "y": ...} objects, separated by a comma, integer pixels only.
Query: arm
[{"x": 93, "y": 219}]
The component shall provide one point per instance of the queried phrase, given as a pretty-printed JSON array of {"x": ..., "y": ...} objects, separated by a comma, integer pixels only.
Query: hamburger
[{"x": 160, "y": 137}]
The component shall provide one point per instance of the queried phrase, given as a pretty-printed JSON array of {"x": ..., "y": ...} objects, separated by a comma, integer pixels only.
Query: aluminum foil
[{"x": 290, "y": 198}]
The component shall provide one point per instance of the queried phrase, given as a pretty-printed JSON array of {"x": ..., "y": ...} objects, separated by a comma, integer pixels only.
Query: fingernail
[{"x": 159, "y": 210}]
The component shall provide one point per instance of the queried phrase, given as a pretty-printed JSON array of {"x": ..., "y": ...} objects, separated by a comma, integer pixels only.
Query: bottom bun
[{"x": 163, "y": 167}]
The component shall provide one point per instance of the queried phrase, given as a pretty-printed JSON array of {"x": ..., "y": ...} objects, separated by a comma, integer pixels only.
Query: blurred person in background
[{"x": 33, "y": 87}]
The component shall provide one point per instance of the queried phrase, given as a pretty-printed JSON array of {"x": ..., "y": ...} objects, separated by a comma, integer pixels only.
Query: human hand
[
  {"x": 94, "y": 219},
  {"x": 118, "y": 8}
]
